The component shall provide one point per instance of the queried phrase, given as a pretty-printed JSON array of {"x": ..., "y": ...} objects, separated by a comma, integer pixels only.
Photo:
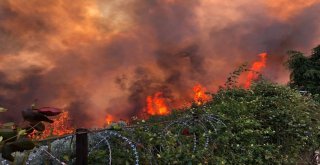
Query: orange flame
[
  {"x": 256, "y": 67},
  {"x": 156, "y": 105},
  {"x": 200, "y": 96},
  {"x": 109, "y": 119},
  {"x": 60, "y": 126}
]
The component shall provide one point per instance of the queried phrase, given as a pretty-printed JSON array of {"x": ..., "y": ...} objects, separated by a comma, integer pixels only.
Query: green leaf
[
  {"x": 116, "y": 127},
  {"x": 8, "y": 125},
  {"x": 21, "y": 133},
  {"x": 33, "y": 105},
  {"x": 28, "y": 129},
  {"x": 22, "y": 144},
  {"x": 19, "y": 145},
  {"x": 7, "y": 133},
  {"x": 66, "y": 157},
  {"x": 6, "y": 153},
  {"x": 3, "y": 109}
]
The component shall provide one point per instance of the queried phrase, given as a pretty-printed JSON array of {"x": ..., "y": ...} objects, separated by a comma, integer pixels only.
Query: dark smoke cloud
[
  {"x": 259, "y": 32},
  {"x": 98, "y": 58},
  {"x": 81, "y": 112}
]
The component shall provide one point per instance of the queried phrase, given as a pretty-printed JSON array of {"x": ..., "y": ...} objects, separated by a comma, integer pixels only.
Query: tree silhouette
[{"x": 305, "y": 70}]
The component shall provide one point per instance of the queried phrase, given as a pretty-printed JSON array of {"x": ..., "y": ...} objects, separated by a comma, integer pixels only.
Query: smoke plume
[{"x": 98, "y": 58}]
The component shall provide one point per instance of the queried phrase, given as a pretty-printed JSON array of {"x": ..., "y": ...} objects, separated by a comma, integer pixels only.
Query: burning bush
[{"x": 266, "y": 123}]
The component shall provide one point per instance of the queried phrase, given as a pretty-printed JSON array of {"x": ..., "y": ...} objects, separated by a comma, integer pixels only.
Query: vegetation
[
  {"x": 305, "y": 71},
  {"x": 14, "y": 138},
  {"x": 268, "y": 123}
]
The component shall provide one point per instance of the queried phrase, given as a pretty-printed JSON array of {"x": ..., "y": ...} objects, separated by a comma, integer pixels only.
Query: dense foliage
[
  {"x": 14, "y": 138},
  {"x": 305, "y": 71},
  {"x": 268, "y": 123}
]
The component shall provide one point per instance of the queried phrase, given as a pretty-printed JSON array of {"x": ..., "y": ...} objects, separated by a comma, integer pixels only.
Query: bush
[{"x": 268, "y": 123}]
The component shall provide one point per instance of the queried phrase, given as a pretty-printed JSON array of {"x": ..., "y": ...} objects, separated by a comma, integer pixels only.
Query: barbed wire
[
  {"x": 15, "y": 136},
  {"x": 109, "y": 147},
  {"x": 108, "y": 132},
  {"x": 124, "y": 127}
]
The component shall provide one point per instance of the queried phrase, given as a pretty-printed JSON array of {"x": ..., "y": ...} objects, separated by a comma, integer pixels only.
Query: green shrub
[{"x": 268, "y": 123}]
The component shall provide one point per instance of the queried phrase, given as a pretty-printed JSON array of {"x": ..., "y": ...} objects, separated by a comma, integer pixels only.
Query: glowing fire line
[{"x": 256, "y": 67}]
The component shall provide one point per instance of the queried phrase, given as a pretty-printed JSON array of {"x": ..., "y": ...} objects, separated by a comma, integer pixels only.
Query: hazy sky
[{"x": 98, "y": 58}]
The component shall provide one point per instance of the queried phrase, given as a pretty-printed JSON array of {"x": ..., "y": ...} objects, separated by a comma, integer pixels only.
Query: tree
[
  {"x": 266, "y": 123},
  {"x": 305, "y": 71}
]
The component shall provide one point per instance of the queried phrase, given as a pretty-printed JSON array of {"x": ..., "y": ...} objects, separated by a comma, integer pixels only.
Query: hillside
[{"x": 266, "y": 123}]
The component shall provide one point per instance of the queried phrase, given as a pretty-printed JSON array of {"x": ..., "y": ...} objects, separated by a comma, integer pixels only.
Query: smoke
[{"x": 98, "y": 58}]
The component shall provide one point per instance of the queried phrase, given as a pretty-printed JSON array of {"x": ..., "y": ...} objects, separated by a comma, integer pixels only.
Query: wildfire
[
  {"x": 60, "y": 126},
  {"x": 200, "y": 96},
  {"x": 108, "y": 119},
  {"x": 156, "y": 105},
  {"x": 256, "y": 67}
]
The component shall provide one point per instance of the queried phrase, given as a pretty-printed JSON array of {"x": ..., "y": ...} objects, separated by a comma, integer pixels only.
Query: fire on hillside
[{"x": 102, "y": 61}]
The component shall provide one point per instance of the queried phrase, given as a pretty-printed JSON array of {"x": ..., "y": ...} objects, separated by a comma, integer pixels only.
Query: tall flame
[
  {"x": 256, "y": 67},
  {"x": 200, "y": 96},
  {"x": 60, "y": 126},
  {"x": 156, "y": 105}
]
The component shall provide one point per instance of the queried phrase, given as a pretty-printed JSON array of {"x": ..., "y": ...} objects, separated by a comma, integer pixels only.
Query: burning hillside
[{"x": 118, "y": 59}]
